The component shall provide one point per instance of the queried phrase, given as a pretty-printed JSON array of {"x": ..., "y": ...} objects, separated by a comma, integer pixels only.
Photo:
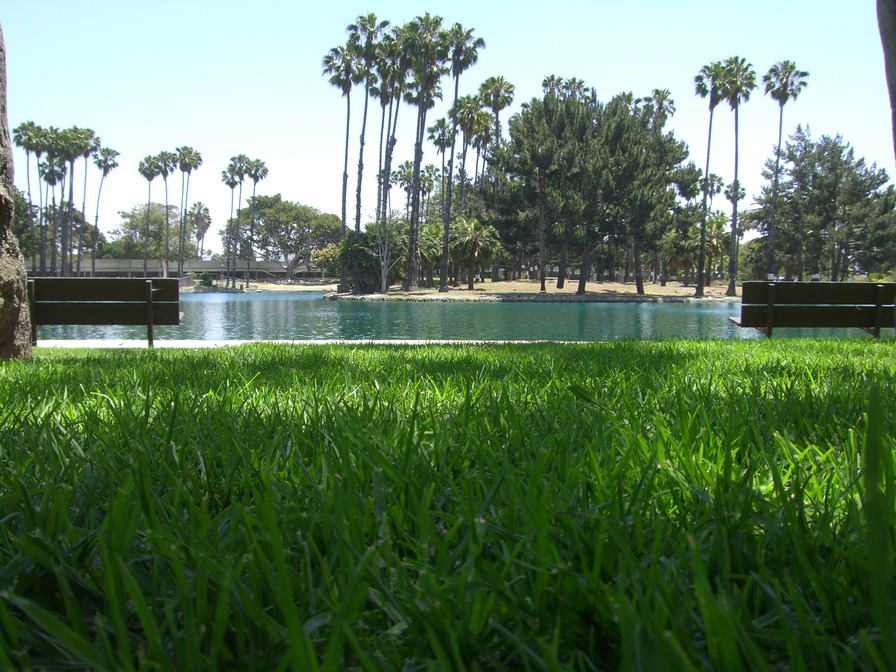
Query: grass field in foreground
[{"x": 639, "y": 506}]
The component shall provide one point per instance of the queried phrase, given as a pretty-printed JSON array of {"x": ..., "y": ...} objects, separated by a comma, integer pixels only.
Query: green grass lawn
[{"x": 673, "y": 505}]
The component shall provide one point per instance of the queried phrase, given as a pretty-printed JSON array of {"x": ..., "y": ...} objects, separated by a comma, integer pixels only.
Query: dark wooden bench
[
  {"x": 102, "y": 301},
  {"x": 868, "y": 306}
]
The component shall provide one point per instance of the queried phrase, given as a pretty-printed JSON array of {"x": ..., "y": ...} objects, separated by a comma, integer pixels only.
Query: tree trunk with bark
[
  {"x": 564, "y": 260},
  {"x": 586, "y": 261},
  {"x": 886, "y": 23},
  {"x": 636, "y": 260},
  {"x": 15, "y": 318}
]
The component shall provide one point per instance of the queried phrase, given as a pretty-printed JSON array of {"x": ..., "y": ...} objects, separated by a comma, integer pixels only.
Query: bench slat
[
  {"x": 52, "y": 313},
  {"x": 103, "y": 289},
  {"x": 848, "y": 293},
  {"x": 816, "y": 316}
]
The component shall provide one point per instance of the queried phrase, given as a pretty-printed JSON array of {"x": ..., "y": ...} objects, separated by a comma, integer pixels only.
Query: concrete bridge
[{"x": 217, "y": 268}]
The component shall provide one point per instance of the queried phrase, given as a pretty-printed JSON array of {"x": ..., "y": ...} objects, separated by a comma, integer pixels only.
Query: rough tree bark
[
  {"x": 886, "y": 23},
  {"x": 15, "y": 320}
]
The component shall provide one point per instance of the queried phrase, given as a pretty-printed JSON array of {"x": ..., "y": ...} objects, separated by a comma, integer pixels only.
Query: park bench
[
  {"x": 103, "y": 301},
  {"x": 868, "y": 306}
]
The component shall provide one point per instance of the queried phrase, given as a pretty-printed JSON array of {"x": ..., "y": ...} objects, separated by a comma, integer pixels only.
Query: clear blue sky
[{"x": 245, "y": 77}]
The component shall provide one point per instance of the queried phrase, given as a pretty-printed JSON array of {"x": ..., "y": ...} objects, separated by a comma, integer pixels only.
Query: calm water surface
[{"x": 304, "y": 315}]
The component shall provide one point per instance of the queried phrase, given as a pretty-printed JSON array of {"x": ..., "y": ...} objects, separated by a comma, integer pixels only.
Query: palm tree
[
  {"x": 392, "y": 68},
  {"x": 496, "y": 94},
  {"x": 52, "y": 171},
  {"x": 476, "y": 244},
  {"x": 256, "y": 171},
  {"x": 26, "y": 136},
  {"x": 707, "y": 84},
  {"x": 364, "y": 36},
  {"x": 90, "y": 144},
  {"x": 439, "y": 136},
  {"x": 188, "y": 160},
  {"x": 382, "y": 91},
  {"x": 38, "y": 147},
  {"x": 739, "y": 80},
  {"x": 428, "y": 175},
  {"x": 426, "y": 45},
  {"x": 239, "y": 165},
  {"x": 200, "y": 220},
  {"x": 463, "y": 49},
  {"x": 660, "y": 107},
  {"x": 465, "y": 114},
  {"x": 403, "y": 176},
  {"x": 783, "y": 82},
  {"x": 574, "y": 88},
  {"x": 482, "y": 138},
  {"x": 229, "y": 177},
  {"x": 167, "y": 162},
  {"x": 340, "y": 64},
  {"x": 72, "y": 142},
  {"x": 105, "y": 160},
  {"x": 149, "y": 169}
]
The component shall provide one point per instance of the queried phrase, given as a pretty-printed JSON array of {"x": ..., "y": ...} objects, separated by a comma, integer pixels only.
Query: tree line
[
  {"x": 396, "y": 64},
  {"x": 57, "y": 234}
]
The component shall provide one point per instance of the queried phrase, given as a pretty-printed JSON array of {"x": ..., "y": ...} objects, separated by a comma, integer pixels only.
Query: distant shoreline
[
  {"x": 488, "y": 297},
  {"x": 521, "y": 291}
]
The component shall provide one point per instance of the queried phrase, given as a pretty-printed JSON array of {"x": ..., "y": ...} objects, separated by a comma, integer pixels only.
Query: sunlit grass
[{"x": 667, "y": 505}]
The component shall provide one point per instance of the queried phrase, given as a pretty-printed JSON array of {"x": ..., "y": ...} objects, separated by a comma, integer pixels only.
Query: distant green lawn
[{"x": 677, "y": 505}]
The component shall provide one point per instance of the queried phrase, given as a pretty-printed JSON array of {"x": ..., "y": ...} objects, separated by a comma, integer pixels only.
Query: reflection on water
[{"x": 301, "y": 316}]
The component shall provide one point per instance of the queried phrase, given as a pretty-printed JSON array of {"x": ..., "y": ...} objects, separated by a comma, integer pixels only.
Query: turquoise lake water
[{"x": 306, "y": 316}]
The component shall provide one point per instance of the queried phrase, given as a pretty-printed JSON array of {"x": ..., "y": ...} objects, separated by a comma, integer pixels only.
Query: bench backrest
[
  {"x": 104, "y": 301},
  {"x": 864, "y": 305}
]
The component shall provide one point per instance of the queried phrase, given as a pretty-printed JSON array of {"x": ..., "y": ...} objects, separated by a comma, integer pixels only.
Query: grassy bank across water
[{"x": 673, "y": 505}]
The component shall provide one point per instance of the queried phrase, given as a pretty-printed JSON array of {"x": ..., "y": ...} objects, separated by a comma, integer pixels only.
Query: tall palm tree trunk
[
  {"x": 732, "y": 260},
  {"x": 251, "y": 235},
  {"x": 43, "y": 231},
  {"x": 356, "y": 268},
  {"x": 167, "y": 229},
  {"x": 701, "y": 258},
  {"x": 146, "y": 231},
  {"x": 228, "y": 232},
  {"x": 237, "y": 234},
  {"x": 30, "y": 207},
  {"x": 446, "y": 211},
  {"x": 361, "y": 159},
  {"x": 54, "y": 254},
  {"x": 182, "y": 244},
  {"x": 96, "y": 227},
  {"x": 348, "y": 115},
  {"x": 771, "y": 231},
  {"x": 379, "y": 166},
  {"x": 411, "y": 283},
  {"x": 68, "y": 225},
  {"x": 387, "y": 169},
  {"x": 83, "y": 216},
  {"x": 180, "y": 220},
  {"x": 462, "y": 188}
]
